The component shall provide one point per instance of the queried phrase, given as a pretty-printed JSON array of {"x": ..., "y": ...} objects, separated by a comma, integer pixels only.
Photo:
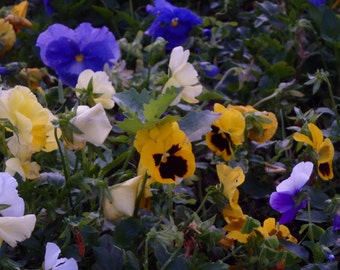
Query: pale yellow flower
[
  {"x": 31, "y": 122},
  {"x": 124, "y": 196},
  {"x": 183, "y": 74},
  {"x": 102, "y": 88}
]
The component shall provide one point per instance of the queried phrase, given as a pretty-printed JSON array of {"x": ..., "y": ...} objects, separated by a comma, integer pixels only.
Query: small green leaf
[{"x": 250, "y": 225}]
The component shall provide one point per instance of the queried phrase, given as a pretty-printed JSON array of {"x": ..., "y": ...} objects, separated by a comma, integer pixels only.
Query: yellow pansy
[
  {"x": 323, "y": 147},
  {"x": 234, "y": 227},
  {"x": 261, "y": 126},
  {"x": 7, "y": 36},
  {"x": 32, "y": 122},
  {"x": 227, "y": 131},
  {"x": 231, "y": 178},
  {"x": 165, "y": 153},
  {"x": 270, "y": 228}
]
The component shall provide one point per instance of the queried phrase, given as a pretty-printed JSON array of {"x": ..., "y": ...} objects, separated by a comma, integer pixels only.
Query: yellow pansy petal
[
  {"x": 7, "y": 36},
  {"x": 299, "y": 137},
  {"x": 231, "y": 178},
  {"x": 316, "y": 133}
]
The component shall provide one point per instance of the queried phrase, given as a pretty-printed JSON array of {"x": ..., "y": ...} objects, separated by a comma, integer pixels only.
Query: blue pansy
[
  {"x": 9, "y": 68},
  {"x": 284, "y": 200},
  {"x": 172, "y": 23},
  {"x": 318, "y": 2},
  {"x": 209, "y": 69},
  {"x": 69, "y": 51}
]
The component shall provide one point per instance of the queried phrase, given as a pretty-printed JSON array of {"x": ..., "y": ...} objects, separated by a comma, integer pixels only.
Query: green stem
[
  {"x": 171, "y": 258},
  {"x": 276, "y": 92},
  {"x": 140, "y": 195},
  {"x": 203, "y": 203},
  {"x": 62, "y": 156},
  {"x": 224, "y": 77},
  {"x": 311, "y": 234}
]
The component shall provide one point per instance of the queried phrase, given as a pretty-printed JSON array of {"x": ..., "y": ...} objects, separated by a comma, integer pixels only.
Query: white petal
[
  {"x": 9, "y": 195},
  {"x": 84, "y": 78},
  {"x": 93, "y": 123},
  {"x": 178, "y": 59},
  {"x": 69, "y": 264},
  {"x": 16, "y": 229},
  {"x": 51, "y": 255},
  {"x": 298, "y": 178}
]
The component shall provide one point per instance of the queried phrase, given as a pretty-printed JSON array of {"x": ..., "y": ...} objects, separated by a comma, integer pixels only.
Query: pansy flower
[
  {"x": 124, "y": 196},
  {"x": 89, "y": 121},
  {"x": 52, "y": 262},
  {"x": 29, "y": 120},
  {"x": 231, "y": 178},
  {"x": 100, "y": 91},
  {"x": 7, "y": 36},
  {"x": 69, "y": 51},
  {"x": 336, "y": 219},
  {"x": 183, "y": 74},
  {"x": 285, "y": 200},
  {"x": 165, "y": 153},
  {"x": 14, "y": 225},
  {"x": 261, "y": 125},
  {"x": 227, "y": 131},
  {"x": 318, "y": 2},
  {"x": 270, "y": 228},
  {"x": 323, "y": 148},
  {"x": 174, "y": 24},
  {"x": 209, "y": 69}
]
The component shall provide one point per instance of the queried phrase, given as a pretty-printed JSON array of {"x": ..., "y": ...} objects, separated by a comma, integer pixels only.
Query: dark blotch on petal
[
  {"x": 157, "y": 158},
  {"x": 174, "y": 166},
  {"x": 325, "y": 169},
  {"x": 222, "y": 141}
]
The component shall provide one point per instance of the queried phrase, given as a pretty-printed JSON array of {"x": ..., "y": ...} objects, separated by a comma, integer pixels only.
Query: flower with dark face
[
  {"x": 69, "y": 51},
  {"x": 172, "y": 23},
  {"x": 323, "y": 148},
  {"x": 284, "y": 200},
  {"x": 227, "y": 131},
  {"x": 165, "y": 153}
]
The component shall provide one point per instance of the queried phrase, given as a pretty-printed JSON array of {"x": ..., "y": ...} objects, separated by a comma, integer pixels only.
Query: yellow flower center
[
  {"x": 79, "y": 57},
  {"x": 174, "y": 22}
]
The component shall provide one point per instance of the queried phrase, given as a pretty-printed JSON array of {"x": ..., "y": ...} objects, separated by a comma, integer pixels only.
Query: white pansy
[
  {"x": 93, "y": 123},
  {"x": 9, "y": 195},
  {"x": 183, "y": 74},
  {"x": 16, "y": 229},
  {"x": 101, "y": 86},
  {"x": 123, "y": 199},
  {"x": 53, "y": 263}
]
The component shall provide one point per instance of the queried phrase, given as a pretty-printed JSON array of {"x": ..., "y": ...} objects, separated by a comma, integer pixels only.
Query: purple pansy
[
  {"x": 284, "y": 199},
  {"x": 172, "y": 23},
  {"x": 336, "y": 220},
  {"x": 69, "y": 51},
  {"x": 318, "y": 2}
]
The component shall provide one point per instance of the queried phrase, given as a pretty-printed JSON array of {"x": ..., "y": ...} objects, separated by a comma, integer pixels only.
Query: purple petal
[
  {"x": 281, "y": 202},
  {"x": 288, "y": 216},
  {"x": 49, "y": 35},
  {"x": 336, "y": 222}
]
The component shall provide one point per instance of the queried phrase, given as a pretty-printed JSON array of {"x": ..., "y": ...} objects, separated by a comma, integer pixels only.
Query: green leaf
[
  {"x": 316, "y": 248},
  {"x": 296, "y": 249},
  {"x": 157, "y": 107},
  {"x": 213, "y": 266},
  {"x": 250, "y": 225},
  {"x": 132, "y": 101},
  {"x": 196, "y": 124}
]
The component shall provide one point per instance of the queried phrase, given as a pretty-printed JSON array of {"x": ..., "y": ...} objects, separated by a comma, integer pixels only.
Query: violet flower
[
  {"x": 336, "y": 220},
  {"x": 284, "y": 200},
  {"x": 69, "y": 51},
  {"x": 172, "y": 23},
  {"x": 318, "y": 2}
]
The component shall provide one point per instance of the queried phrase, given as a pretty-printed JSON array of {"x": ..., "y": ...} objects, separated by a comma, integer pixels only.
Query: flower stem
[
  {"x": 62, "y": 156},
  {"x": 311, "y": 234}
]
